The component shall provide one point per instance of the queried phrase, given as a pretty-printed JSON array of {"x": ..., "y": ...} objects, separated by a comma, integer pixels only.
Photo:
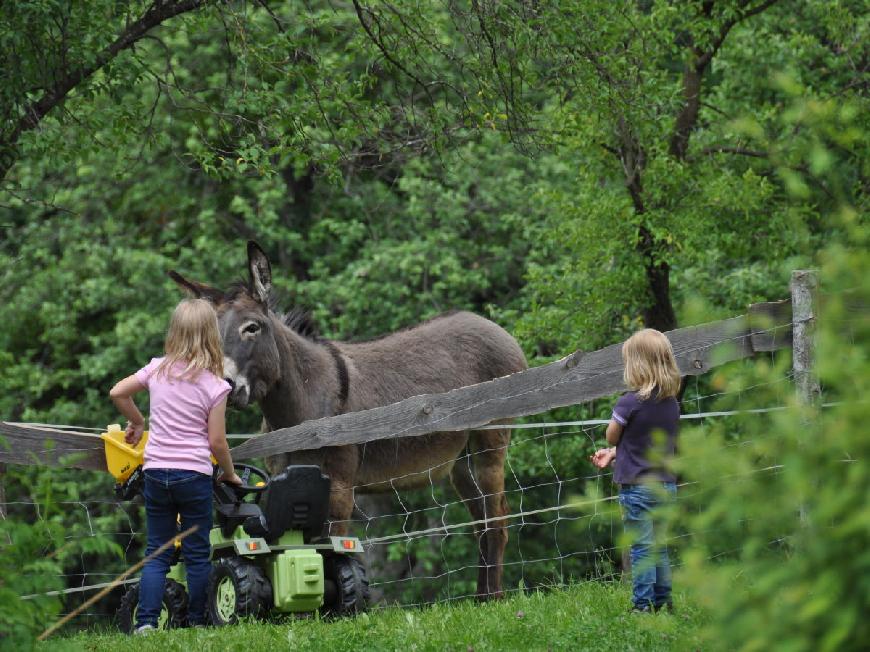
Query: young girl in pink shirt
[{"x": 188, "y": 404}]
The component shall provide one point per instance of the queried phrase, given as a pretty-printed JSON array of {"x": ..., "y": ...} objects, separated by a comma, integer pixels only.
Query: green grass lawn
[{"x": 592, "y": 616}]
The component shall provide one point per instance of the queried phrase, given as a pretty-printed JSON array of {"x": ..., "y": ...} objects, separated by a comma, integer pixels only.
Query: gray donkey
[{"x": 279, "y": 361}]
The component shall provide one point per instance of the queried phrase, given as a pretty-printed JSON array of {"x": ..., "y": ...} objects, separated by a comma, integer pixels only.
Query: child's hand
[
  {"x": 603, "y": 457},
  {"x": 231, "y": 478},
  {"x": 134, "y": 433}
]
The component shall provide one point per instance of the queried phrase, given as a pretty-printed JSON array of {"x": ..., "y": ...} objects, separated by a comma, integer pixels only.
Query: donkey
[{"x": 278, "y": 361}]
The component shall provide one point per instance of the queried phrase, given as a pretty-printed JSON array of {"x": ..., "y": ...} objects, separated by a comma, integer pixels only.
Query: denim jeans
[
  {"x": 168, "y": 494},
  {"x": 650, "y": 565}
]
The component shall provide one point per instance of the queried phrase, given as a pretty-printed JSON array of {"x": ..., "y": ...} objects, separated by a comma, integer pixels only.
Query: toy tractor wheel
[
  {"x": 237, "y": 588},
  {"x": 172, "y": 614},
  {"x": 351, "y": 585}
]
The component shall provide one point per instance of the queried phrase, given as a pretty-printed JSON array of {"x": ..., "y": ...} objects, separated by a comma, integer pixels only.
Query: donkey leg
[
  {"x": 490, "y": 448},
  {"x": 340, "y": 464},
  {"x": 463, "y": 480},
  {"x": 479, "y": 480},
  {"x": 340, "y": 507},
  {"x": 277, "y": 463}
]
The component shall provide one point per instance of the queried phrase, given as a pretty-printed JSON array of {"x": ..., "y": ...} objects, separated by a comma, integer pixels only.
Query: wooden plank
[
  {"x": 24, "y": 445},
  {"x": 577, "y": 378},
  {"x": 770, "y": 325}
]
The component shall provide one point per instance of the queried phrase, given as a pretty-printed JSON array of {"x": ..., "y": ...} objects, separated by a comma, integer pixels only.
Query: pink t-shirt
[{"x": 178, "y": 423}]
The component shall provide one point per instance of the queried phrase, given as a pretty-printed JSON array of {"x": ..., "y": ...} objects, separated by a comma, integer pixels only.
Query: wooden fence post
[{"x": 804, "y": 287}]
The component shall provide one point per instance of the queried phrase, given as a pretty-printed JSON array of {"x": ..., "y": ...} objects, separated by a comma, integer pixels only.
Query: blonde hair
[
  {"x": 650, "y": 364},
  {"x": 193, "y": 339}
]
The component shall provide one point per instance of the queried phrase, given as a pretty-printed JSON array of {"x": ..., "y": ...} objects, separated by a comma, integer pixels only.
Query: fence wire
[{"x": 421, "y": 545}]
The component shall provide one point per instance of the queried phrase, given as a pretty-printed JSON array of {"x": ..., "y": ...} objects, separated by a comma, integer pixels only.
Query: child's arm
[
  {"x": 614, "y": 432},
  {"x": 121, "y": 395},
  {"x": 217, "y": 441}
]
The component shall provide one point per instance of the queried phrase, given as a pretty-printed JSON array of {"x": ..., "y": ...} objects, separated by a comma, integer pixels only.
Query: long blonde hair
[
  {"x": 650, "y": 364},
  {"x": 193, "y": 340}
]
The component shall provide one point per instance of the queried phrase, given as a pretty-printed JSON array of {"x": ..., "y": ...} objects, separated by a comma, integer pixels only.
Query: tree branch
[
  {"x": 380, "y": 45},
  {"x": 727, "y": 26},
  {"x": 35, "y": 111},
  {"x": 721, "y": 149},
  {"x": 693, "y": 74}
]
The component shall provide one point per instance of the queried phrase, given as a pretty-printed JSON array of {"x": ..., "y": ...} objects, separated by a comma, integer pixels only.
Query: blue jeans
[
  {"x": 650, "y": 565},
  {"x": 168, "y": 494}
]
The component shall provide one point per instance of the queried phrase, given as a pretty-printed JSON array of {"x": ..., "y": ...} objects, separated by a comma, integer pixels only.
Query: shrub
[{"x": 781, "y": 555}]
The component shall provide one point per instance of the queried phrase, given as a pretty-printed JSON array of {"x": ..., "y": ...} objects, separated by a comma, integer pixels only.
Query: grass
[{"x": 590, "y": 616}]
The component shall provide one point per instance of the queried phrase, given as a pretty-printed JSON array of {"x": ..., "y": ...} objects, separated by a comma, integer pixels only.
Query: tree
[
  {"x": 633, "y": 94},
  {"x": 54, "y": 49}
]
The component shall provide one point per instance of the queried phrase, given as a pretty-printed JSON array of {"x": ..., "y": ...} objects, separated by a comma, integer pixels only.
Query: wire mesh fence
[{"x": 422, "y": 545}]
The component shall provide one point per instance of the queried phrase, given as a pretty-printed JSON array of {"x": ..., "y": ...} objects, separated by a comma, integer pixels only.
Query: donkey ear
[
  {"x": 261, "y": 272},
  {"x": 198, "y": 290}
]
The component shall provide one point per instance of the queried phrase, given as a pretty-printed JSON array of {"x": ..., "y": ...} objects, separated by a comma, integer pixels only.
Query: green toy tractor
[{"x": 268, "y": 559}]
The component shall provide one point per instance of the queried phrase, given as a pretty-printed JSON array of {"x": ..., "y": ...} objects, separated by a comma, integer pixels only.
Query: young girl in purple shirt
[
  {"x": 188, "y": 403},
  {"x": 643, "y": 431}
]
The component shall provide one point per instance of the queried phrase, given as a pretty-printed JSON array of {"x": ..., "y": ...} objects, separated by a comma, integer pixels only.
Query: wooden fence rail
[
  {"x": 24, "y": 444},
  {"x": 577, "y": 378}
]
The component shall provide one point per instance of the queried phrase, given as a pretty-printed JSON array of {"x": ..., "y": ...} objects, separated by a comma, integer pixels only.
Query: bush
[
  {"x": 27, "y": 566},
  {"x": 40, "y": 543},
  {"x": 781, "y": 555}
]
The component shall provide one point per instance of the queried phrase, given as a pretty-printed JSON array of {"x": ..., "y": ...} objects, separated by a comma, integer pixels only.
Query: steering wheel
[{"x": 245, "y": 472}]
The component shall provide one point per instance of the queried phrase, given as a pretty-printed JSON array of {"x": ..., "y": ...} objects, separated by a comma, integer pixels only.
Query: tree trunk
[
  {"x": 658, "y": 314},
  {"x": 297, "y": 216},
  {"x": 659, "y": 311}
]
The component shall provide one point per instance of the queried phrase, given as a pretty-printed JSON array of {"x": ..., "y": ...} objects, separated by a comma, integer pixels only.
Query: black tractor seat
[{"x": 296, "y": 499}]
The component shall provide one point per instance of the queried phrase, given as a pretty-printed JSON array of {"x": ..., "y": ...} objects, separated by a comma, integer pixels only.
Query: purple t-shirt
[
  {"x": 178, "y": 422},
  {"x": 649, "y": 436}
]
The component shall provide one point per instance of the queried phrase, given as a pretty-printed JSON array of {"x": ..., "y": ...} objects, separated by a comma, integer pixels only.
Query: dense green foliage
[
  {"x": 572, "y": 169},
  {"x": 26, "y": 571},
  {"x": 784, "y": 511},
  {"x": 294, "y": 128},
  {"x": 36, "y": 552}
]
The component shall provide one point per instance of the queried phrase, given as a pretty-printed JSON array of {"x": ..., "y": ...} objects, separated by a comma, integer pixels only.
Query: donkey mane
[
  {"x": 237, "y": 289},
  {"x": 302, "y": 322}
]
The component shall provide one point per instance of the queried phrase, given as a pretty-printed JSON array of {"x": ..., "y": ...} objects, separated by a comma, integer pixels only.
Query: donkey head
[{"x": 251, "y": 359}]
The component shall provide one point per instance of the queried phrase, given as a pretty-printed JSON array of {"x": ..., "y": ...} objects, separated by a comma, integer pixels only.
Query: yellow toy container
[{"x": 122, "y": 458}]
